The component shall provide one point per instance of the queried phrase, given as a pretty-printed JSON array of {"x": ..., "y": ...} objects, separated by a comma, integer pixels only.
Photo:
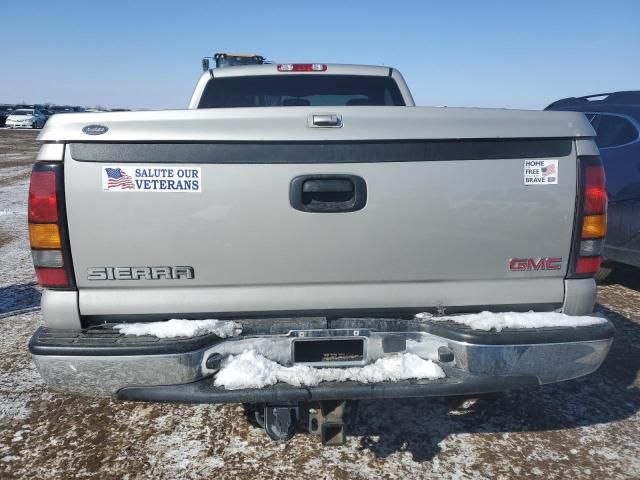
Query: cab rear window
[{"x": 300, "y": 90}]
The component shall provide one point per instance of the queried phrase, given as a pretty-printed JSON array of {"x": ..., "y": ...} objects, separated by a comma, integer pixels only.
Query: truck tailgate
[{"x": 444, "y": 215}]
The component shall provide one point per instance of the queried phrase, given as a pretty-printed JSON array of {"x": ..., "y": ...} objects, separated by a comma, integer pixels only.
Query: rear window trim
[{"x": 320, "y": 152}]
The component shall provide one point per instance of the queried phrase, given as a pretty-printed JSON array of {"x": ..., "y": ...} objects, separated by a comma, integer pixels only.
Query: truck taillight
[
  {"x": 43, "y": 202},
  {"x": 48, "y": 226},
  {"x": 591, "y": 224}
]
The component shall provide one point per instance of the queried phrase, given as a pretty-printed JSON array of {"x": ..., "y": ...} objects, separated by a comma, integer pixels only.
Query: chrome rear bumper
[{"x": 474, "y": 362}]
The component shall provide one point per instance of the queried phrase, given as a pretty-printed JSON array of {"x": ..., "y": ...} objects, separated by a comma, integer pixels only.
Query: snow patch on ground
[
  {"x": 20, "y": 382},
  {"x": 14, "y": 238},
  {"x": 499, "y": 321},
  {"x": 252, "y": 370},
  {"x": 181, "y": 328}
]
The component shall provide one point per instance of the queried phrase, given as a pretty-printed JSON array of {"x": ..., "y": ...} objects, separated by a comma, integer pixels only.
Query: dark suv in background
[
  {"x": 5, "y": 111},
  {"x": 616, "y": 119}
]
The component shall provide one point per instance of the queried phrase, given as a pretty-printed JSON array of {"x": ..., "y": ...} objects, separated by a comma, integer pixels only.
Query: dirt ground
[{"x": 586, "y": 428}]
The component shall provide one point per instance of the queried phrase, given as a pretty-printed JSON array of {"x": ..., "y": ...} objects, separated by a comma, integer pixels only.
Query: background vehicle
[
  {"x": 21, "y": 106},
  {"x": 26, "y": 118},
  {"x": 5, "y": 111},
  {"x": 616, "y": 119},
  {"x": 321, "y": 223},
  {"x": 65, "y": 109}
]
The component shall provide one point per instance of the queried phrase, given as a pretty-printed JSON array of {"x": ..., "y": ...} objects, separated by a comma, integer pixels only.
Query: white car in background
[{"x": 26, "y": 118}]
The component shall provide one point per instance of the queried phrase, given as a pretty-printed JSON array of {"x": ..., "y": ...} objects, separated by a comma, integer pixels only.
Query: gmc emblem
[{"x": 528, "y": 264}]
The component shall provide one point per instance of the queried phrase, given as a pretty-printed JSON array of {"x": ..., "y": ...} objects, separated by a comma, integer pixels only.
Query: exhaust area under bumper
[{"x": 101, "y": 362}]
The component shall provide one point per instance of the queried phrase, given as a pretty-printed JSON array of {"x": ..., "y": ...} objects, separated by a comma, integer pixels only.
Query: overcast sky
[{"x": 146, "y": 54}]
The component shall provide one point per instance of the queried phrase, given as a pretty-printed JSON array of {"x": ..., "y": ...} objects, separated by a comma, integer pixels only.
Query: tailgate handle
[
  {"x": 328, "y": 193},
  {"x": 327, "y": 120},
  {"x": 328, "y": 186}
]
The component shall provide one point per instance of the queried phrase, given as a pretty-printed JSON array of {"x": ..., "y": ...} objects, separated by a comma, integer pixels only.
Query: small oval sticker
[{"x": 95, "y": 129}]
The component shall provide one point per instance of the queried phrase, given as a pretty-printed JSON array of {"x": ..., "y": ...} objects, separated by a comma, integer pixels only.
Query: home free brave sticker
[
  {"x": 141, "y": 178},
  {"x": 540, "y": 172}
]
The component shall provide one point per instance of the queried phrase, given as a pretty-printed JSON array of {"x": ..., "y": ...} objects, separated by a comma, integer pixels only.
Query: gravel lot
[{"x": 587, "y": 428}]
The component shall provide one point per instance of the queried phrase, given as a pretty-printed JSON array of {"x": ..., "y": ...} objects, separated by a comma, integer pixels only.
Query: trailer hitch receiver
[{"x": 326, "y": 420}]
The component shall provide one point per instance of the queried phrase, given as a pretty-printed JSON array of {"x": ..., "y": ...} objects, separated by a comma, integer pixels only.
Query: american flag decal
[
  {"x": 117, "y": 178},
  {"x": 548, "y": 170}
]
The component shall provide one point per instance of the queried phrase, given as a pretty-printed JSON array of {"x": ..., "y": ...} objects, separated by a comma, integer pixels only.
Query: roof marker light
[{"x": 302, "y": 67}]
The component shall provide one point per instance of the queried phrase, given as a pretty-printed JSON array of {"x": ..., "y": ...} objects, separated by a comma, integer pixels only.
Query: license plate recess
[{"x": 328, "y": 350}]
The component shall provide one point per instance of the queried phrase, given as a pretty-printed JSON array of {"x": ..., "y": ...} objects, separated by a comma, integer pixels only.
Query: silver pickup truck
[{"x": 316, "y": 224}]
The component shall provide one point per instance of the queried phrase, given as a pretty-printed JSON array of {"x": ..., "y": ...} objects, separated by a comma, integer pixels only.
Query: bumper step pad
[
  {"x": 104, "y": 340},
  {"x": 204, "y": 391}
]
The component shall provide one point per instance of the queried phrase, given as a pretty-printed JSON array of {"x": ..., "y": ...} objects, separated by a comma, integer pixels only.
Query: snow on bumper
[{"x": 472, "y": 362}]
